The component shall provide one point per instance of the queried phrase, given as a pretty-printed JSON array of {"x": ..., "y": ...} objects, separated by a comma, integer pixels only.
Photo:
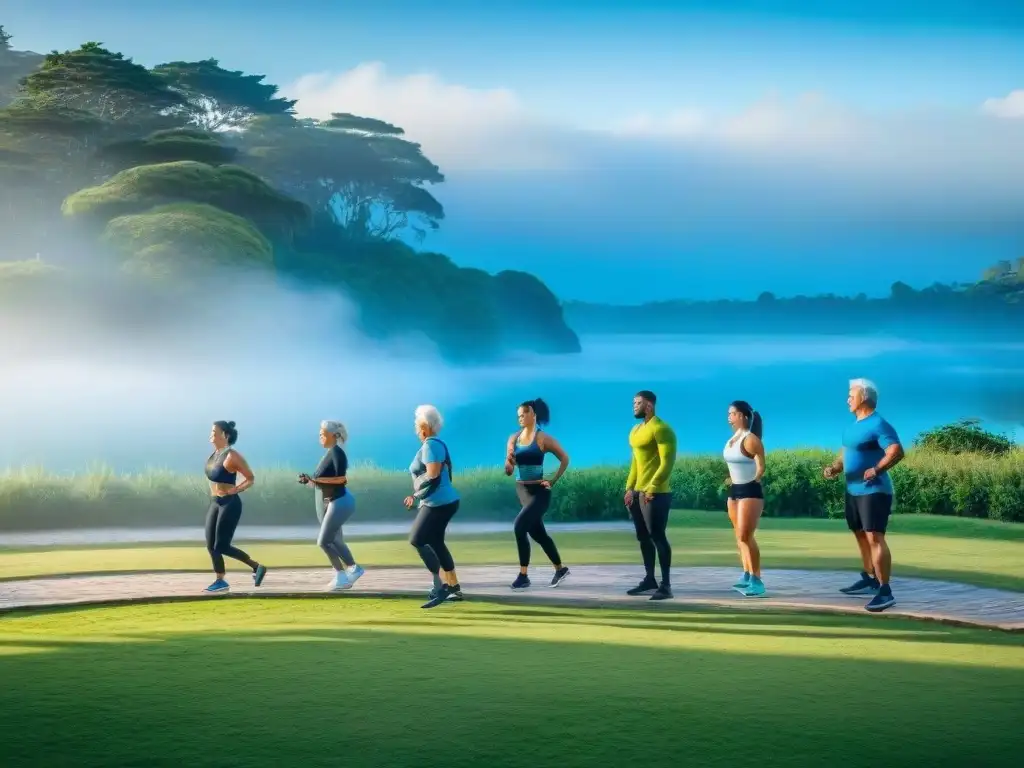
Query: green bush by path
[{"x": 965, "y": 485}]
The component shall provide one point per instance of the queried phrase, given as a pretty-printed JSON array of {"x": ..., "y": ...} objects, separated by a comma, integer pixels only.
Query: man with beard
[{"x": 649, "y": 494}]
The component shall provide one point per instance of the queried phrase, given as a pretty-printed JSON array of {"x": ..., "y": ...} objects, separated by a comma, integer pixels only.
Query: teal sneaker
[
  {"x": 754, "y": 589},
  {"x": 743, "y": 583},
  {"x": 218, "y": 586}
]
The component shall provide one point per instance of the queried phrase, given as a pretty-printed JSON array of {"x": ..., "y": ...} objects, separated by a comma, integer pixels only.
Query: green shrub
[
  {"x": 926, "y": 482},
  {"x": 965, "y": 436}
]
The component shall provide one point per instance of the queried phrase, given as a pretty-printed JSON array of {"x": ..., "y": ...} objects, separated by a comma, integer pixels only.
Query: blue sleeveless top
[
  {"x": 215, "y": 471},
  {"x": 529, "y": 460}
]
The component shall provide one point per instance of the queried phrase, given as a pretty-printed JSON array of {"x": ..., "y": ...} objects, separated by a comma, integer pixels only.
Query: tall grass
[{"x": 964, "y": 485}]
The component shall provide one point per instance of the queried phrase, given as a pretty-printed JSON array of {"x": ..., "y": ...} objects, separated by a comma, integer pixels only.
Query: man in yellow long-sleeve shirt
[{"x": 649, "y": 494}]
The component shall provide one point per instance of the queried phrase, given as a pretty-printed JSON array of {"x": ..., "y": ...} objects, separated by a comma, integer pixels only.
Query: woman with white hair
[
  {"x": 431, "y": 471},
  {"x": 334, "y": 504}
]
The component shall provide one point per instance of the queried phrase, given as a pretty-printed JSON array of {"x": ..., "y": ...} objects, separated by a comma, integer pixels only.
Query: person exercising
[{"x": 649, "y": 493}]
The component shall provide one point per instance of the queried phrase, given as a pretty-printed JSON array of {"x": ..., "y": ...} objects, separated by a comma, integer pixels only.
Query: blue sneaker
[
  {"x": 341, "y": 581},
  {"x": 754, "y": 589},
  {"x": 218, "y": 586},
  {"x": 743, "y": 583},
  {"x": 882, "y": 600},
  {"x": 354, "y": 573},
  {"x": 259, "y": 574},
  {"x": 865, "y": 585}
]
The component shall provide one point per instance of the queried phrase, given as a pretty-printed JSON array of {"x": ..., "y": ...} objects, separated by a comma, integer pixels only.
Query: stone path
[{"x": 588, "y": 585}]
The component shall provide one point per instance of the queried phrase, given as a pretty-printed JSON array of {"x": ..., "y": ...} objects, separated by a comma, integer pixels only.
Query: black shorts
[
  {"x": 751, "y": 490},
  {"x": 868, "y": 513}
]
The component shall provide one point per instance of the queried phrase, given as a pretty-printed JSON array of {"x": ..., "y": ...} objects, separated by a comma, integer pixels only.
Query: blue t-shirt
[
  {"x": 864, "y": 444},
  {"x": 431, "y": 451}
]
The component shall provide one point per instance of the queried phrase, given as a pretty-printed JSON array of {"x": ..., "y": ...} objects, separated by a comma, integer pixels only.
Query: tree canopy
[
  {"x": 214, "y": 98},
  {"x": 191, "y": 166}
]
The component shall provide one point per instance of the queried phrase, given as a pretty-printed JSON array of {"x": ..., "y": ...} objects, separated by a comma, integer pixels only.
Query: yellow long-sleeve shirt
[{"x": 654, "y": 454}]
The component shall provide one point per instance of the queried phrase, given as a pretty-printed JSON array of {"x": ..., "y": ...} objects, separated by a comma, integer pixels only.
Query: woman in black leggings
[
  {"x": 524, "y": 455},
  {"x": 431, "y": 471},
  {"x": 222, "y": 470}
]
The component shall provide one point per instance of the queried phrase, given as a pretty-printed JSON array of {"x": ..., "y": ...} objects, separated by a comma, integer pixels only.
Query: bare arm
[
  {"x": 510, "y": 453},
  {"x": 752, "y": 443},
  {"x": 893, "y": 456},
  {"x": 835, "y": 467},
  {"x": 550, "y": 445},
  {"x": 235, "y": 462}
]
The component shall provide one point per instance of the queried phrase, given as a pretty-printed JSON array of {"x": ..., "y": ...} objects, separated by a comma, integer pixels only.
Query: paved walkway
[{"x": 588, "y": 585}]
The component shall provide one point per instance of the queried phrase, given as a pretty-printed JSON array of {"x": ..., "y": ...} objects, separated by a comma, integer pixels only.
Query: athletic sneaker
[
  {"x": 354, "y": 573},
  {"x": 218, "y": 586},
  {"x": 754, "y": 589},
  {"x": 882, "y": 600},
  {"x": 559, "y": 576},
  {"x": 456, "y": 594},
  {"x": 743, "y": 583},
  {"x": 865, "y": 585},
  {"x": 341, "y": 581},
  {"x": 522, "y": 581},
  {"x": 259, "y": 574},
  {"x": 664, "y": 592},
  {"x": 645, "y": 587},
  {"x": 439, "y": 597}
]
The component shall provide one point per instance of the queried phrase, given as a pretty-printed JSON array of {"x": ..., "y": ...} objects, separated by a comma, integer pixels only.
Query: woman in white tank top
[{"x": 744, "y": 456}]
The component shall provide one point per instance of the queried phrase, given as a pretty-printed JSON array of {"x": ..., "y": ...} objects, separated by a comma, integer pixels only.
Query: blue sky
[{"x": 640, "y": 136}]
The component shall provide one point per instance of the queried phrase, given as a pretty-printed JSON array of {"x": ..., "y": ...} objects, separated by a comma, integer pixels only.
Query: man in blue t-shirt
[{"x": 870, "y": 449}]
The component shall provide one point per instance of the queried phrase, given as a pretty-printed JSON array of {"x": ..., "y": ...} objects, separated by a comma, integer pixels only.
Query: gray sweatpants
[{"x": 332, "y": 516}]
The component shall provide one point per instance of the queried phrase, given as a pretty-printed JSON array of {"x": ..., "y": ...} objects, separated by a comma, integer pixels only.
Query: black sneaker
[
  {"x": 559, "y": 576},
  {"x": 456, "y": 594},
  {"x": 664, "y": 592},
  {"x": 881, "y": 601},
  {"x": 645, "y": 587},
  {"x": 865, "y": 585},
  {"x": 259, "y": 574},
  {"x": 439, "y": 596},
  {"x": 522, "y": 581}
]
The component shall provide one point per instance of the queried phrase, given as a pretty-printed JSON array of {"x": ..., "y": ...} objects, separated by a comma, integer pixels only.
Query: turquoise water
[{"x": 131, "y": 417}]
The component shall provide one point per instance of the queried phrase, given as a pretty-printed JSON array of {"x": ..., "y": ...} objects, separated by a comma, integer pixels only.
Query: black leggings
[
  {"x": 221, "y": 521},
  {"x": 651, "y": 521},
  {"x": 535, "y": 499},
  {"x": 427, "y": 536}
]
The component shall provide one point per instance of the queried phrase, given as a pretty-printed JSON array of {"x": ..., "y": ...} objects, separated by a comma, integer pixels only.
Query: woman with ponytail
[
  {"x": 222, "y": 470},
  {"x": 744, "y": 455},
  {"x": 524, "y": 455}
]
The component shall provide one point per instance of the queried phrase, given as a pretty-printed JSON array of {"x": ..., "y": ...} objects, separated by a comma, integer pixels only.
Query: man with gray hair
[{"x": 870, "y": 449}]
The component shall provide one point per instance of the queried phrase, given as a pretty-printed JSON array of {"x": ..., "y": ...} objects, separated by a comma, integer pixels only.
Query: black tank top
[{"x": 215, "y": 471}]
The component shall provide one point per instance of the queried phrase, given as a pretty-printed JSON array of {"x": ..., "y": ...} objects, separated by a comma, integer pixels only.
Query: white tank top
[{"x": 741, "y": 467}]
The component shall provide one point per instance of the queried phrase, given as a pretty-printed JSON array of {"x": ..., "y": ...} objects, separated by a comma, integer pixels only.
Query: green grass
[
  {"x": 977, "y": 552},
  {"x": 381, "y": 683},
  {"x": 965, "y": 485}
]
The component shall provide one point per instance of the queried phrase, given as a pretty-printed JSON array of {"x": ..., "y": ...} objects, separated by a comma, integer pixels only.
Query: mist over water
[{"x": 77, "y": 393}]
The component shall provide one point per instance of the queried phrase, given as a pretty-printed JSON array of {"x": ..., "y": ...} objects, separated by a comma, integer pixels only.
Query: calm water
[{"x": 130, "y": 419}]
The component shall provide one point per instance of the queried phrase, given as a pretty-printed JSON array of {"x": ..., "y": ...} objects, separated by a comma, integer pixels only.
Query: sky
[{"x": 649, "y": 150}]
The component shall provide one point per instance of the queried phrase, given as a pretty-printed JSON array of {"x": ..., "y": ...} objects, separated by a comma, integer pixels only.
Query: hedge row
[{"x": 926, "y": 482}]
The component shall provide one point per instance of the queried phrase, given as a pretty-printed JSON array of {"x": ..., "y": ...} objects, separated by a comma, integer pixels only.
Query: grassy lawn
[
  {"x": 381, "y": 683},
  {"x": 977, "y": 552}
]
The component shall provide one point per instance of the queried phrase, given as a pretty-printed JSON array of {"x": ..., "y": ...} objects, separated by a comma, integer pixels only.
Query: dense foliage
[
  {"x": 190, "y": 166},
  {"x": 927, "y": 482}
]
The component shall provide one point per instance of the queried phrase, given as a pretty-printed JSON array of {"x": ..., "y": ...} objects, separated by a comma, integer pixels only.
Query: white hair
[
  {"x": 429, "y": 415},
  {"x": 868, "y": 388},
  {"x": 335, "y": 428}
]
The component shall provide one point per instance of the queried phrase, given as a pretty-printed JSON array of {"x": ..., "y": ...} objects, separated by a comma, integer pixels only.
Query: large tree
[
  {"x": 214, "y": 98},
  {"x": 110, "y": 86},
  {"x": 358, "y": 171}
]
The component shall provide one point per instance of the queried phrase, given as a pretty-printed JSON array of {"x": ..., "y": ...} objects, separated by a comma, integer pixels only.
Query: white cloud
[
  {"x": 459, "y": 127},
  {"x": 1010, "y": 106}
]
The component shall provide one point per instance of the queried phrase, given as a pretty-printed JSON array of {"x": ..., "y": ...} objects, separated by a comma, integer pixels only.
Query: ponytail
[{"x": 754, "y": 423}]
